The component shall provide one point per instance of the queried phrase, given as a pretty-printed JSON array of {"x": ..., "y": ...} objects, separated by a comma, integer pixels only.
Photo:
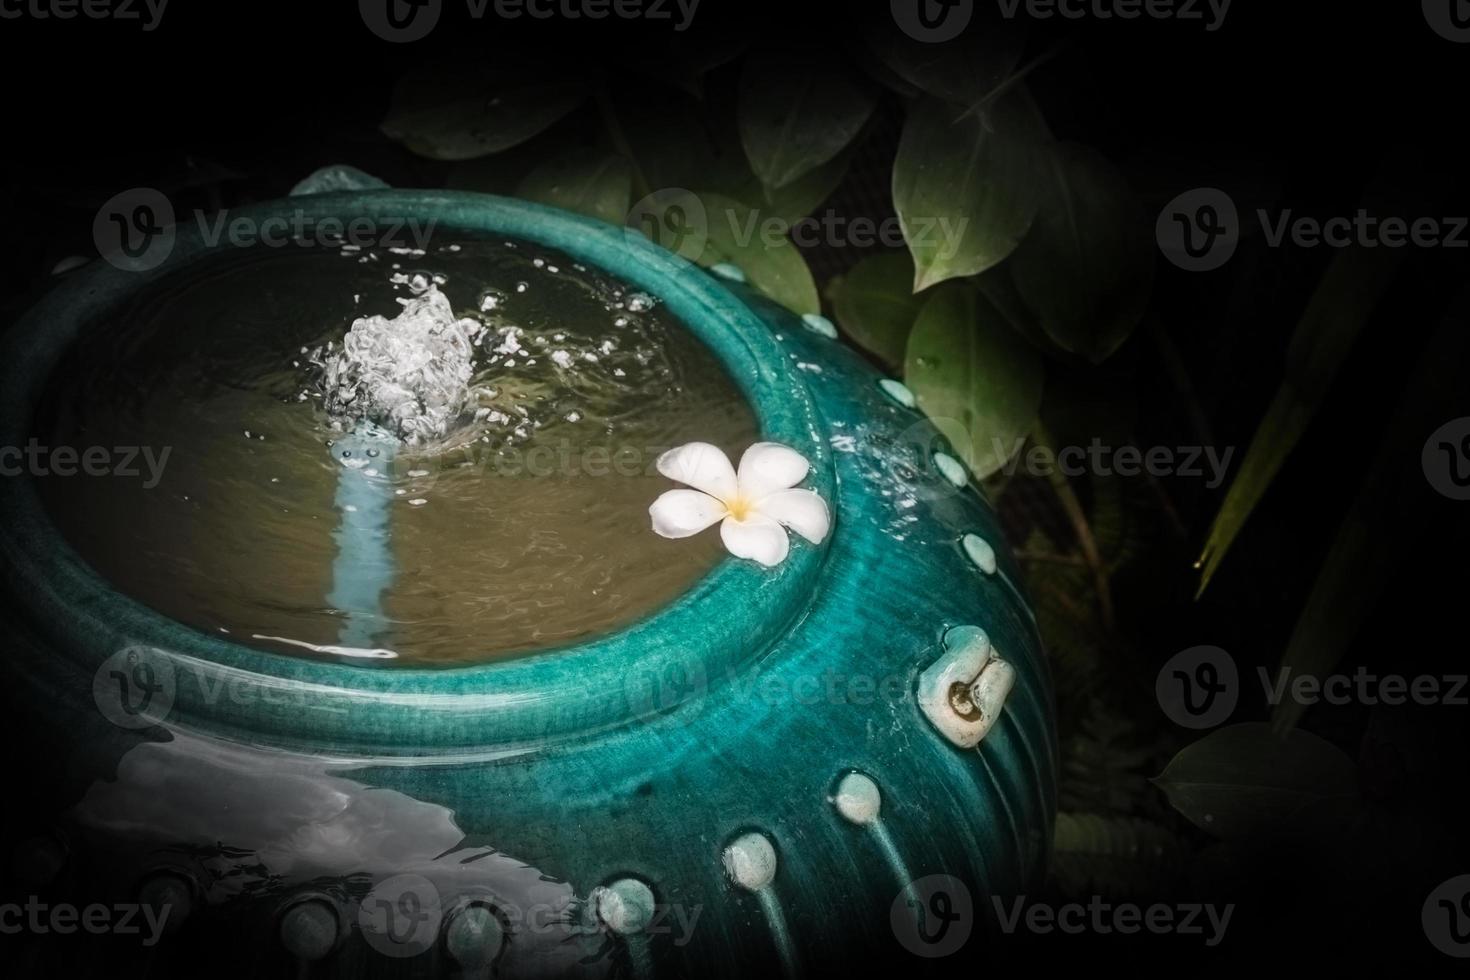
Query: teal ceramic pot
[{"x": 843, "y": 758}]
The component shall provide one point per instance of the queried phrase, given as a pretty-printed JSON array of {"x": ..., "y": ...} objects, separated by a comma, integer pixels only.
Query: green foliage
[
  {"x": 599, "y": 185},
  {"x": 1247, "y": 781},
  {"x": 460, "y": 111},
  {"x": 973, "y": 376},
  {"x": 875, "y": 305},
  {"x": 1089, "y": 224},
  {"x": 1362, "y": 556},
  {"x": 962, "y": 71},
  {"x": 964, "y": 184},
  {"x": 798, "y": 110},
  {"x": 1346, "y": 296}
]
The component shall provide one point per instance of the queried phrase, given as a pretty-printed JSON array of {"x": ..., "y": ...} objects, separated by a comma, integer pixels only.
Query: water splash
[{"x": 409, "y": 374}]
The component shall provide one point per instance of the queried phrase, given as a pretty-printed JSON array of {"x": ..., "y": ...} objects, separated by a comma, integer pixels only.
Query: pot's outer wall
[{"x": 704, "y": 750}]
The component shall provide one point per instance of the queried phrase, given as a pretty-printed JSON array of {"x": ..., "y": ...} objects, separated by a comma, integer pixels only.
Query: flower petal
[
  {"x": 769, "y": 466},
  {"x": 801, "y": 510},
  {"x": 701, "y": 466},
  {"x": 756, "y": 537},
  {"x": 680, "y": 513}
]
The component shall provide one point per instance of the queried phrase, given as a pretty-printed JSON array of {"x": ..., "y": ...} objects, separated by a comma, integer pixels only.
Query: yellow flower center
[{"x": 739, "y": 508}]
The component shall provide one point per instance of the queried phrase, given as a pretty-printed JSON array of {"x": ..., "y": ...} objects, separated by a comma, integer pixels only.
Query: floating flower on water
[{"x": 753, "y": 506}]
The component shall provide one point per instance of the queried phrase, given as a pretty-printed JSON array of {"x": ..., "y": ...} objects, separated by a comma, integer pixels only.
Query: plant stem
[{"x": 1085, "y": 540}]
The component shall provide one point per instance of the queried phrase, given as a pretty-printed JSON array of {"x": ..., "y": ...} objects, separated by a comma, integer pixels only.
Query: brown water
[{"x": 519, "y": 523}]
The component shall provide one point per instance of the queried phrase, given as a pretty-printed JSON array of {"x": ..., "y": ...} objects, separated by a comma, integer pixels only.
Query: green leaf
[
  {"x": 599, "y": 185},
  {"x": 711, "y": 228},
  {"x": 802, "y": 196},
  {"x": 1337, "y": 311},
  {"x": 1366, "y": 550},
  {"x": 798, "y": 110},
  {"x": 875, "y": 305},
  {"x": 973, "y": 376},
  {"x": 1086, "y": 268},
  {"x": 965, "y": 187},
  {"x": 1246, "y": 781},
  {"x": 682, "y": 60},
  {"x": 962, "y": 71},
  {"x": 462, "y": 111}
]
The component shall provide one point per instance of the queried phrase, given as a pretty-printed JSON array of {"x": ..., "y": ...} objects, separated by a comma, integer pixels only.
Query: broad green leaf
[
  {"x": 804, "y": 195},
  {"x": 974, "y": 376},
  {"x": 965, "y": 186},
  {"x": 1086, "y": 267},
  {"x": 711, "y": 228},
  {"x": 1367, "y": 548},
  {"x": 875, "y": 304},
  {"x": 961, "y": 71},
  {"x": 1337, "y": 311},
  {"x": 731, "y": 175},
  {"x": 1246, "y": 781},
  {"x": 797, "y": 110},
  {"x": 670, "y": 142},
  {"x": 683, "y": 59},
  {"x": 461, "y": 111},
  {"x": 595, "y": 184},
  {"x": 501, "y": 173}
]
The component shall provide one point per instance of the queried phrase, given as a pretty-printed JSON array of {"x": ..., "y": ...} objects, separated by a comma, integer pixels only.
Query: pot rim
[{"x": 678, "y": 652}]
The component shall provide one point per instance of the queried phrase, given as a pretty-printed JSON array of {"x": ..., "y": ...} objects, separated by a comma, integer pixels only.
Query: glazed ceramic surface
[{"x": 764, "y": 776}]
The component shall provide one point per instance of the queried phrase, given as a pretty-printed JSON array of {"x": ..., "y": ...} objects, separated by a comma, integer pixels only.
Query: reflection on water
[
  {"x": 309, "y": 506},
  {"x": 257, "y": 828}
]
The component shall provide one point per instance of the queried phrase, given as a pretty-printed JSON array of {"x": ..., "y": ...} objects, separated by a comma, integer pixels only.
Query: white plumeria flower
[{"x": 753, "y": 507}]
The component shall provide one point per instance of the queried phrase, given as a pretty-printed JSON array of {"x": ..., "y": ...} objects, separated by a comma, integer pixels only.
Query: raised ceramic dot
[
  {"x": 168, "y": 894},
  {"x": 625, "y": 906},
  {"x": 953, "y": 470},
  {"x": 980, "y": 552},
  {"x": 820, "y": 324},
  {"x": 309, "y": 929},
  {"x": 898, "y": 391},
  {"x": 728, "y": 271},
  {"x": 474, "y": 937},
  {"x": 39, "y": 860},
  {"x": 750, "y": 861},
  {"x": 858, "y": 799}
]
